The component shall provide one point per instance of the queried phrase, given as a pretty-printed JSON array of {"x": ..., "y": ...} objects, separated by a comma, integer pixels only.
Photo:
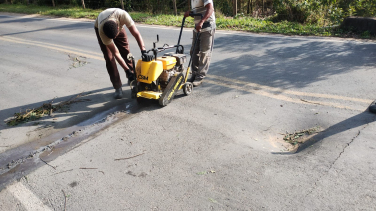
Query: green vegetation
[{"x": 271, "y": 24}]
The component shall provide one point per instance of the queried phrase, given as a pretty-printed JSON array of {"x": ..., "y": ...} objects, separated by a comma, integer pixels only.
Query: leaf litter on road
[
  {"x": 300, "y": 136},
  {"x": 41, "y": 111}
]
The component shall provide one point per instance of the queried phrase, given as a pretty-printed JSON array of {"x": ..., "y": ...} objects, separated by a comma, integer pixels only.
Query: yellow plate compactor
[{"x": 160, "y": 78}]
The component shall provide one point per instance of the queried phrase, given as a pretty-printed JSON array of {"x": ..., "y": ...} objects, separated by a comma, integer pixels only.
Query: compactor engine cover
[{"x": 147, "y": 72}]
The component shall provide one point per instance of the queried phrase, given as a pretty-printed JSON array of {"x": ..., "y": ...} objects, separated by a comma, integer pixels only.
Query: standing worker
[
  {"x": 114, "y": 44},
  {"x": 201, "y": 55}
]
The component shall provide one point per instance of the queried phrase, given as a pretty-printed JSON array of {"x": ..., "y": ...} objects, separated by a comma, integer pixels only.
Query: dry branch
[
  {"x": 129, "y": 157},
  {"x": 65, "y": 200}
]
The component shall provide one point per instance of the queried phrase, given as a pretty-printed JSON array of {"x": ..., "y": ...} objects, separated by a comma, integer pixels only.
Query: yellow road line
[
  {"x": 55, "y": 45},
  {"x": 245, "y": 86},
  {"x": 86, "y": 54},
  {"x": 280, "y": 97},
  {"x": 284, "y": 91}
]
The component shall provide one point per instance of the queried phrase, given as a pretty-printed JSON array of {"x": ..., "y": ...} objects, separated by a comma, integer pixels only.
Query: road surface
[{"x": 220, "y": 148}]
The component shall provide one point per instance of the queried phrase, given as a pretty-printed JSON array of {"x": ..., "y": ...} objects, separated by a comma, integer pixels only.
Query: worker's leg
[
  {"x": 195, "y": 54},
  {"x": 121, "y": 42},
  {"x": 110, "y": 63},
  {"x": 206, "y": 48}
]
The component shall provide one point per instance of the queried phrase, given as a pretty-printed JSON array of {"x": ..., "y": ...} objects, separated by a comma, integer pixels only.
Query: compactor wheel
[{"x": 187, "y": 88}]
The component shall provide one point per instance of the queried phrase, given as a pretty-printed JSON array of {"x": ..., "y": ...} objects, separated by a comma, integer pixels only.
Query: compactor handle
[{"x": 182, "y": 26}]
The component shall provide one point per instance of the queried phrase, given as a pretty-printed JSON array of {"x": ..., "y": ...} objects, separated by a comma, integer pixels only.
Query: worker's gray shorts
[{"x": 202, "y": 53}]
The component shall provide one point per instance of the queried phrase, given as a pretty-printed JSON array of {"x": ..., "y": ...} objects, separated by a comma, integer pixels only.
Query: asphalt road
[{"x": 221, "y": 148}]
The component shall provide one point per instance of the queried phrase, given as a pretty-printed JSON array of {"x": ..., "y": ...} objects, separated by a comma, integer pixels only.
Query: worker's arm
[
  {"x": 117, "y": 55},
  {"x": 136, "y": 34},
  {"x": 208, "y": 13}
]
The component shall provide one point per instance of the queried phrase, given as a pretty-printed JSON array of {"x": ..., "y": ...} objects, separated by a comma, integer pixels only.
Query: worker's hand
[
  {"x": 186, "y": 14},
  {"x": 198, "y": 26},
  {"x": 146, "y": 57}
]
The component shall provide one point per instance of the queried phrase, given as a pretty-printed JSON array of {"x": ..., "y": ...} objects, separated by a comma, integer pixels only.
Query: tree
[
  {"x": 234, "y": 7},
  {"x": 249, "y": 7},
  {"x": 122, "y": 4},
  {"x": 83, "y": 3},
  {"x": 53, "y": 3},
  {"x": 175, "y": 10}
]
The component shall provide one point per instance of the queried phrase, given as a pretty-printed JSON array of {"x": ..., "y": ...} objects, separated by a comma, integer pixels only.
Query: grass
[{"x": 247, "y": 24}]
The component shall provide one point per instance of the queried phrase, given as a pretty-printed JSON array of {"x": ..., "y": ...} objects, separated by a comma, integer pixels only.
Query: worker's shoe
[
  {"x": 372, "y": 107},
  {"x": 192, "y": 78},
  {"x": 118, "y": 93},
  {"x": 197, "y": 82}
]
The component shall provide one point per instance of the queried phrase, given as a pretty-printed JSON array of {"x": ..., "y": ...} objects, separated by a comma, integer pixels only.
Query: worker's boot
[
  {"x": 197, "y": 82},
  {"x": 118, "y": 93}
]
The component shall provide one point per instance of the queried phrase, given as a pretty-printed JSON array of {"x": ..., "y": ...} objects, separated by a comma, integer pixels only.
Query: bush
[
  {"x": 363, "y": 8},
  {"x": 300, "y": 11}
]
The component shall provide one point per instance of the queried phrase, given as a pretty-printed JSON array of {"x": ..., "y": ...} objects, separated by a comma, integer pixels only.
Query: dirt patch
[
  {"x": 299, "y": 137},
  {"x": 78, "y": 61}
]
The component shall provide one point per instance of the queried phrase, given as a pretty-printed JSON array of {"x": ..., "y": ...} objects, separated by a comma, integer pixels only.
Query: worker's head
[{"x": 110, "y": 29}]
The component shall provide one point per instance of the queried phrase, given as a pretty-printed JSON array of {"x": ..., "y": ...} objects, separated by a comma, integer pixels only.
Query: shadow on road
[
  {"x": 287, "y": 62},
  {"x": 293, "y": 63},
  {"x": 75, "y": 109},
  {"x": 77, "y": 112},
  {"x": 361, "y": 119},
  {"x": 67, "y": 27}
]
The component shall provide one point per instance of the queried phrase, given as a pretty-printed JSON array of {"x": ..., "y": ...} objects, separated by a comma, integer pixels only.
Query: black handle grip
[{"x": 196, "y": 14}]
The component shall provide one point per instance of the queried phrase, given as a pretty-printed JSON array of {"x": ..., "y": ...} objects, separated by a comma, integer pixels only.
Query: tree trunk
[
  {"x": 122, "y": 4},
  {"x": 234, "y": 7},
  {"x": 83, "y": 3},
  {"x": 175, "y": 9},
  {"x": 240, "y": 6},
  {"x": 248, "y": 6},
  {"x": 53, "y": 3},
  {"x": 251, "y": 7},
  {"x": 263, "y": 7}
]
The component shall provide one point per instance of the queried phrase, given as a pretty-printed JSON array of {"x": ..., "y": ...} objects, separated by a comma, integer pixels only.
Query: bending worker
[
  {"x": 114, "y": 44},
  {"x": 206, "y": 26}
]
